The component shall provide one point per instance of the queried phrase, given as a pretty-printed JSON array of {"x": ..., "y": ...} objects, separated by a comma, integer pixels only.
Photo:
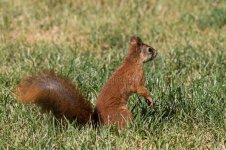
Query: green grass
[{"x": 86, "y": 41}]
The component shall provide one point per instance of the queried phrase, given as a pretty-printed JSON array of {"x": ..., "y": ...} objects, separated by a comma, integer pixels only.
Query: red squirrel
[{"x": 59, "y": 95}]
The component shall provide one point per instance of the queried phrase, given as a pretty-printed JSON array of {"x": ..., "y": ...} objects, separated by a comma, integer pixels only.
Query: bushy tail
[{"x": 55, "y": 93}]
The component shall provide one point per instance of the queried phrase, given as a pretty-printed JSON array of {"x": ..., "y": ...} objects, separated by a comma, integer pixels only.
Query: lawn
[{"x": 87, "y": 40}]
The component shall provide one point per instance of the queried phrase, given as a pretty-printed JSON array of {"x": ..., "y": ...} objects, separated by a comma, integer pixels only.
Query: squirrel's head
[{"x": 140, "y": 50}]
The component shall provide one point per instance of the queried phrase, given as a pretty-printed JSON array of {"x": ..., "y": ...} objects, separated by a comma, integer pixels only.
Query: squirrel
[{"x": 55, "y": 93}]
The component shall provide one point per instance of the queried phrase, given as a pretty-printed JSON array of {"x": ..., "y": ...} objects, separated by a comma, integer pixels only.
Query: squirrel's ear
[{"x": 135, "y": 41}]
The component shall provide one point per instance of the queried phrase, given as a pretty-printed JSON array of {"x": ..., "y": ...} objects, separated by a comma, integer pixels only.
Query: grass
[{"x": 86, "y": 41}]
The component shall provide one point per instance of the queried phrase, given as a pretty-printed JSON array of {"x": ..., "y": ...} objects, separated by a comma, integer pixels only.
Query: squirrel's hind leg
[{"x": 119, "y": 118}]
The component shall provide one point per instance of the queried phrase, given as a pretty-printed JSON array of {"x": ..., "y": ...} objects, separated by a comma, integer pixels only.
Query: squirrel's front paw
[{"x": 150, "y": 102}]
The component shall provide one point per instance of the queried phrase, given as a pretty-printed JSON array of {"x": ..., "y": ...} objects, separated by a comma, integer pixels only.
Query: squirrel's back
[{"x": 57, "y": 94}]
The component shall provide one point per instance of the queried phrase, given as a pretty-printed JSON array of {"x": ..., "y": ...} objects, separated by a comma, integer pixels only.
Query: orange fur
[
  {"x": 57, "y": 94},
  {"x": 127, "y": 79}
]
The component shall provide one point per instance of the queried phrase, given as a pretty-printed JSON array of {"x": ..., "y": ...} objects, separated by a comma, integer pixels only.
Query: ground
[{"x": 87, "y": 40}]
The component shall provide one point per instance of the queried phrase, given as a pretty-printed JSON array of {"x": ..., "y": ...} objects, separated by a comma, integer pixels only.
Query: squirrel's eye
[{"x": 149, "y": 49}]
